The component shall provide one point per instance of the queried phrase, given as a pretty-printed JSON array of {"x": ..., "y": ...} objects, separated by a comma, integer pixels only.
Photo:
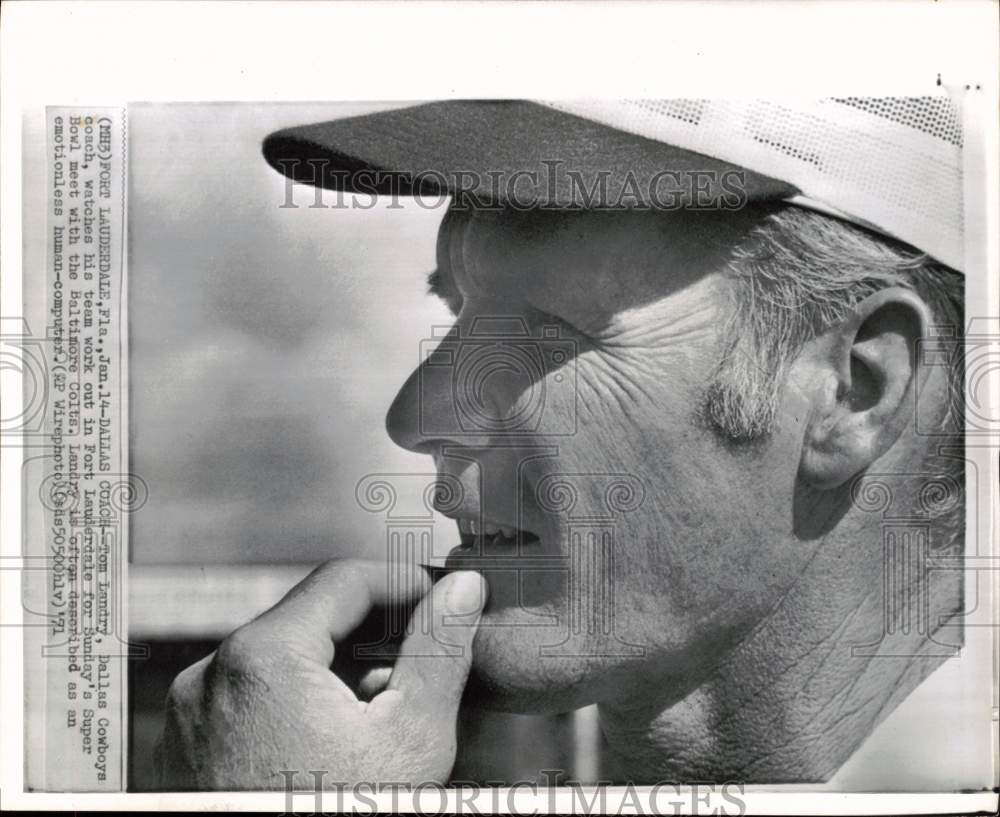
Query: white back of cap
[{"x": 893, "y": 164}]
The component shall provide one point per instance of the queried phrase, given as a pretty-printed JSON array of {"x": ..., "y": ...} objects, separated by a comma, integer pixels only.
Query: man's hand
[{"x": 267, "y": 699}]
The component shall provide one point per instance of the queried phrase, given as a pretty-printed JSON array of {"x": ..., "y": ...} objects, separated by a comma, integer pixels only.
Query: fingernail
[{"x": 466, "y": 592}]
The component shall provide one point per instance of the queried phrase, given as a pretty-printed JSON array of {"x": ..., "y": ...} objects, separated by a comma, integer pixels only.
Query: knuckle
[
  {"x": 184, "y": 689},
  {"x": 240, "y": 654}
]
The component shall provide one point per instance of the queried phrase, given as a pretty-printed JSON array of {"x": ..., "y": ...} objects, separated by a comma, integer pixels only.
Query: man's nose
[
  {"x": 459, "y": 396},
  {"x": 402, "y": 420},
  {"x": 471, "y": 393},
  {"x": 423, "y": 416}
]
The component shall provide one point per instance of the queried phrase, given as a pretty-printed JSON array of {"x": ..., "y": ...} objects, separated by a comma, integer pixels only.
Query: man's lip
[
  {"x": 477, "y": 525},
  {"x": 471, "y": 530},
  {"x": 485, "y": 552},
  {"x": 499, "y": 543},
  {"x": 501, "y": 556}
]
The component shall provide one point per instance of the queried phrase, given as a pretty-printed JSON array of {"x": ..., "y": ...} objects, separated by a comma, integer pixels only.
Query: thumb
[{"x": 434, "y": 659}]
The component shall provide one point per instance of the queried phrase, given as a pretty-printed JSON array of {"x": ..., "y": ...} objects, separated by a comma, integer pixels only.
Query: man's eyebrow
[{"x": 441, "y": 285}]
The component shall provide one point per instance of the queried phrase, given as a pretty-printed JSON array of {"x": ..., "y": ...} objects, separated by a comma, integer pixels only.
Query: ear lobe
[{"x": 866, "y": 373}]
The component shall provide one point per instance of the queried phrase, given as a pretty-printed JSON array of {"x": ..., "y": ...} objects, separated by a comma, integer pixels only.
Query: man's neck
[{"x": 805, "y": 688}]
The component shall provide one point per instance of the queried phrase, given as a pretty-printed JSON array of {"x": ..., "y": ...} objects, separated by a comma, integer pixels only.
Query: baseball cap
[{"x": 889, "y": 164}]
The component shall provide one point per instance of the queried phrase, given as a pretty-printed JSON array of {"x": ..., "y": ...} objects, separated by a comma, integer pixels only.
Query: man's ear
[{"x": 864, "y": 376}]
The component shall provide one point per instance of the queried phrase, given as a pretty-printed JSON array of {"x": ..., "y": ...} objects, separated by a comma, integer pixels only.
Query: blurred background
[{"x": 266, "y": 344}]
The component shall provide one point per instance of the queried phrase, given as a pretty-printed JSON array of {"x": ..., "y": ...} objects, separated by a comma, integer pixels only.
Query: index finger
[{"x": 333, "y": 600}]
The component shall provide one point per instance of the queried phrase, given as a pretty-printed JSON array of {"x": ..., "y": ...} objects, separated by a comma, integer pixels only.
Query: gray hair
[{"x": 795, "y": 274}]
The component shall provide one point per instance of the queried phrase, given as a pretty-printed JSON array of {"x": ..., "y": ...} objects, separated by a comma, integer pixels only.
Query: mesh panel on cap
[
  {"x": 930, "y": 114},
  {"x": 890, "y": 163}
]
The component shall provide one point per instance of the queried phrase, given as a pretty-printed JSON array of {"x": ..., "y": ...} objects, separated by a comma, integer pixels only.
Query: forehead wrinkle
[
  {"x": 449, "y": 231},
  {"x": 465, "y": 258},
  {"x": 484, "y": 249},
  {"x": 455, "y": 238}
]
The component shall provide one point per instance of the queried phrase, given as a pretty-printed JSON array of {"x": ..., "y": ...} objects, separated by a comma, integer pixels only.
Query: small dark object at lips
[{"x": 437, "y": 572}]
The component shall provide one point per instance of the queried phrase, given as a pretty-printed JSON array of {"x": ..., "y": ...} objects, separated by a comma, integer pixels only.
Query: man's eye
[
  {"x": 435, "y": 283},
  {"x": 441, "y": 286}
]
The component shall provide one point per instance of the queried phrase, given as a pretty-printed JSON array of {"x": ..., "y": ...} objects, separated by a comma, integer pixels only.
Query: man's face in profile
[{"x": 627, "y": 548}]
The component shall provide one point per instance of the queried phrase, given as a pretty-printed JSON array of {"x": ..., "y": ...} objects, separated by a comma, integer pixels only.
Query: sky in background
[{"x": 266, "y": 344}]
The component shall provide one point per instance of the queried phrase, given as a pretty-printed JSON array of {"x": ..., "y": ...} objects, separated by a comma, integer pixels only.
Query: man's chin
[
  {"x": 513, "y": 672},
  {"x": 484, "y": 691}
]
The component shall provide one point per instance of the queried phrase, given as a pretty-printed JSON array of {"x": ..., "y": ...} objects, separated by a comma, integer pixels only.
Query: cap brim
[{"x": 503, "y": 152}]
